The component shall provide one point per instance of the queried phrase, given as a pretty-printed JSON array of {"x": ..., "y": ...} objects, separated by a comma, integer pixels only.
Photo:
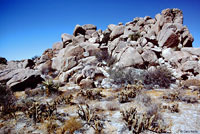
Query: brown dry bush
[
  {"x": 161, "y": 77},
  {"x": 70, "y": 126},
  {"x": 7, "y": 101}
]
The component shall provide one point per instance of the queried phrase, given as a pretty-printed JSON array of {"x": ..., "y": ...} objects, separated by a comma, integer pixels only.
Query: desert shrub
[
  {"x": 126, "y": 76},
  {"x": 173, "y": 95},
  {"x": 179, "y": 95},
  {"x": 190, "y": 82},
  {"x": 50, "y": 126},
  {"x": 94, "y": 94},
  {"x": 70, "y": 126},
  {"x": 130, "y": 92},
  {"x": 139, "y": 122},
  {"x": 102, "y": 55},
  {"x": 135, "y": 36},
  {"x": 64, "y": 99},
  {"x": 50, "y": 87},
  {"x": 161, "y": 77},
  {"x": 86, "y": 113},
  {"x": 7, "y": 101},
  {"x": 173, "y": 108},
  {"x": 34, "y": 92}
]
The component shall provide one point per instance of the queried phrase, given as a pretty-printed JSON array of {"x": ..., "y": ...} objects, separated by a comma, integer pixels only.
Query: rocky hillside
[{"x": 147, "y": 60}]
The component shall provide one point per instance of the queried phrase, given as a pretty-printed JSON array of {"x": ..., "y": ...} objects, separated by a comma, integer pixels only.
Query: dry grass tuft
[{"x": 70, "y": 126}]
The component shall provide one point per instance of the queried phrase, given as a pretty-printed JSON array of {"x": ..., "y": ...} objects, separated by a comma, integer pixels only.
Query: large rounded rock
[
  {"x": 167, "y": 37},
  {"x": 66, "y": 38},
  {"x": 86, "y": 84},
  {"x": 149, "y": 56},
  {"x": 59, "y": 62},
  {"x": 130, "y": 57},
  {"x": 20, "y": 79},
  {"x": 191, "y": 66},
  {"x": 89, "y": 27},
  {"x": 57, "y": 46},
  {"x": 117, "y": 31},
  {"x": 191, "y": 50},
  {"x": 79, "y": 30}
]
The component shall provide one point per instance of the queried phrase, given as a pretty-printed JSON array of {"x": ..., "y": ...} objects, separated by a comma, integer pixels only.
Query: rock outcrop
[{"x": 84, "y": 57}]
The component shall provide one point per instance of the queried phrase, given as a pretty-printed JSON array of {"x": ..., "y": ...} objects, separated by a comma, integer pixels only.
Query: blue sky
[{"x": 28, "y": 27}]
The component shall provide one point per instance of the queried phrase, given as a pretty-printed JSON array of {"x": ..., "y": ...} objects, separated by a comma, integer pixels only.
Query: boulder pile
[{"x": 84, "y": 57}]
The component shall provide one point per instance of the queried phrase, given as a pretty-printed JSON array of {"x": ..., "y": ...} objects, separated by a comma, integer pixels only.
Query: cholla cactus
[
  {"x": 91, "y": 94},
  {"x": 64, "y": 99},
  {"x": 130, "y": 92},
  {"x": 85, "y": 113},
  {"x": 98, "y": 126},
  {"x": 139, "y": 122},
  {"x": 40, "y": 112}
]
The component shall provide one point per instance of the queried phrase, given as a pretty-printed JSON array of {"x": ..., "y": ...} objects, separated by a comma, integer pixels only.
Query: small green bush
[{"x": 50, "y": 87}]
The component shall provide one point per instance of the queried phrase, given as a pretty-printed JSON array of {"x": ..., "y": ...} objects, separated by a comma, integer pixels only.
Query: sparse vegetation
[
  {"x": 173, "y": 95},
  {"x": 135, "y": 36},
  {"x": 50, "y": 87},
  {"x": 161, "y": 77},
  {"x": 86, "y": 113},
  {"x": 70, "y": 126},
  {"x": 125, "y": 77},
  {"x": 173, "y": 108},
  {"x": 144, "y": 99},
  {"x": 40, "y": 112},
  {"x": 130, "y": 92},
  {"x": 91, "y": 94},
  {"x": 90, "y": 118},
  {"x": 179, "y": 95},
  {"x": 138, "y": 122},
  {"x": 7, "y": 101}
]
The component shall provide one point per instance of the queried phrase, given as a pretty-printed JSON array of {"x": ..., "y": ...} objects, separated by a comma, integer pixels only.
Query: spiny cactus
[
  {"x": 40, "y": 112},
  {"x": 62, "y": 99},
  {"x": 91, "y": 94},
  {"x": 137, "y": 122},
  {"x": 174, "y": 108},
  {"x": 130, "y": 92},
  {"x": 98, "y": 126},
  {"x": 92, "y": 119},
  {"x": 86, "y": 113}
]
